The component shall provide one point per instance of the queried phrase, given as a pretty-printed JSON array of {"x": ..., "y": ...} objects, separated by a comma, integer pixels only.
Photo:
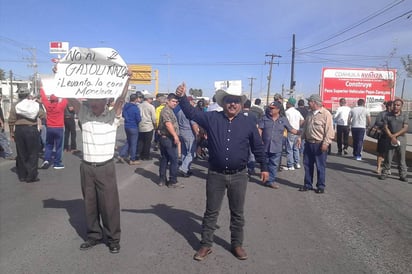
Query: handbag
[{"x": 374, "y": 132}]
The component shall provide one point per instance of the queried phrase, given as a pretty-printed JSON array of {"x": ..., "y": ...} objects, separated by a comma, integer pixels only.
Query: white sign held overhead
[
  {"x": 90, "y": 73},
  {"x": 233, "y": 85},
  {"x": 48, "y": 83},
  {"x": 59, "y": 47}
]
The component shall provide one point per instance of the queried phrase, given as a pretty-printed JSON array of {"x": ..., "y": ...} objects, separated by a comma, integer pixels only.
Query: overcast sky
[{"x": 201, "y": 42}]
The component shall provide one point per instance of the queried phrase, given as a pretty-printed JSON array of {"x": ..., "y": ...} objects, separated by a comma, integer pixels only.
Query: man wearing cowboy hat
[{"x": 230, "y": 135}]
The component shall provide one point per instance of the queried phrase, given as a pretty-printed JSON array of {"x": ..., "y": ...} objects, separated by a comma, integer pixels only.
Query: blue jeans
[
  {"x": 168, "y": 154},
  {"x": 273, "y": 165},
  {"x": 358, "y": 135},
  {"x": 292, "y": 150},
  {"x": 302, "y": 147},
  {"x": 54, "y": 139},
  {"x": 188, "y": 149},
  {"x": 313, "y": 155},
  {"x": 5, "y": 144},
  {"x": 216, "y": 186},
  {"x": 132, "y": 135},
  {"x": 251, "y": 162},
  {"x": 342, "y": 136}
]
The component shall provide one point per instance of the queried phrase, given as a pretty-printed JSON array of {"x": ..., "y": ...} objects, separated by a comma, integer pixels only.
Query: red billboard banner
[
  {"x": 375, "y": 86},
  {"x": 59, "y": 47}
]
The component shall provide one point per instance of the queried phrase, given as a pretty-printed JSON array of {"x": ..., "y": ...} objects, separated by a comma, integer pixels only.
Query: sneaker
[
  {"x": 345, "y": 151},
  {"x": 358, "y": 158},
  {"x": 133, "y": 162},
  {"x": 272, "y": 185},
  {"x": 297, "y": 166},
  {"x": 175, "y": 185},
  {"x": 58, "y": 166},
  {"x": 388, "y": 172},
  {"x": 121, "y": 160},
  {"x": 114, "y": 248},
  {"x": 183, "y": 174},
  {"x": 288, "y": 168},
  {"x": 45, "y": 165},
  {"x": 319, "y": 190},
  {"x": 162, "y": 182}
]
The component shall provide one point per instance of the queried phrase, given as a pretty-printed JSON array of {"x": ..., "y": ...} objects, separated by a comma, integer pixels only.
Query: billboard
[
  {"x": 141, "y": 74},
  {"x": 59, "y": 47},
  {"x": 234, "y": 85},
  {"x": 375, "y": 86}
]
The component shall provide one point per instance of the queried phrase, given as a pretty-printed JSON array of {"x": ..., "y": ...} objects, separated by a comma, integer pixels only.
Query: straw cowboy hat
[{"x": 221, "y": 94}]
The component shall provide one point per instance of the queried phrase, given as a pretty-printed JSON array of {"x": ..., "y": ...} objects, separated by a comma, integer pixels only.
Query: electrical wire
[
  {"x": 364, "y": 32},
  {"x": 362, "y": 21}
]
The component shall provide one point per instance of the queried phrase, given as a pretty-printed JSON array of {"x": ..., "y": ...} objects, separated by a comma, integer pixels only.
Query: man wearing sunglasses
[{"x": 230, "y": 135}]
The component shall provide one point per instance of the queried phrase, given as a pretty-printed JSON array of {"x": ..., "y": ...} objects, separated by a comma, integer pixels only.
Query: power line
[
  {"x": 364, "y": 32},
  {"x": 362, "y": 21}
]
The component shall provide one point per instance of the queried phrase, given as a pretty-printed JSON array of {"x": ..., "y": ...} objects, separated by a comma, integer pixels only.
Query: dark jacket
[{"x": 131, "y": 115}]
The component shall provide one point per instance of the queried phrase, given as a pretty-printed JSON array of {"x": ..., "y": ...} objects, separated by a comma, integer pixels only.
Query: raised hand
[{"x": 181, "y": 90}]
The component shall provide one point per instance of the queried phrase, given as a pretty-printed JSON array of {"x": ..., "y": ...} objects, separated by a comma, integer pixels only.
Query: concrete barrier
[{"x": 369, "y": 145}]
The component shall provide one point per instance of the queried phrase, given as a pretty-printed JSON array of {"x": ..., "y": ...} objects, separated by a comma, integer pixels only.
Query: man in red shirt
[{"x": 55, "y": 130}]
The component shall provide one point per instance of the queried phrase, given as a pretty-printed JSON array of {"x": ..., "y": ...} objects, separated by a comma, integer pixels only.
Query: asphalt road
[{"x": 360, "y": 225}]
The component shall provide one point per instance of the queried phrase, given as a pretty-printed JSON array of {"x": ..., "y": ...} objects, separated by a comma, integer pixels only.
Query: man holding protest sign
[{"x": 99, "y": 127}]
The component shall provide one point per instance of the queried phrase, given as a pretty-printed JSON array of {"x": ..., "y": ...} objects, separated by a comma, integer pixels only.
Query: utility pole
[
  {"x": 33, "y": 64},
  {"x": 168, "y": 70},
  {"x": 292, "y": 68},
  {"x": 11, "y": 88},
  {"x": 157, "y": 81},
  {"x": 251, "y": 87},
  {"x": 403, "y": 88},
  {"x": 272, "y": 56}
]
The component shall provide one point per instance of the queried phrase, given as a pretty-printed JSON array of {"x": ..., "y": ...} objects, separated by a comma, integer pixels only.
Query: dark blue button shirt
[
  {"x": 228, "y": 140},
  {"x": 272, "y": 132}
]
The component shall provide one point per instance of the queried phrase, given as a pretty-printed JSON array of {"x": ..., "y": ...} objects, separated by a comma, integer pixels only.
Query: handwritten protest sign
[
  {"x": 90, "y": 73},
  {"x": 48, "y": 83}
]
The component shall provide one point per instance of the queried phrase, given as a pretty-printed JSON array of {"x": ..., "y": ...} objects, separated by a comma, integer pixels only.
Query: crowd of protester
[
  {"x": 142, "y": 124},
  {"x": 230, "y": 132}
]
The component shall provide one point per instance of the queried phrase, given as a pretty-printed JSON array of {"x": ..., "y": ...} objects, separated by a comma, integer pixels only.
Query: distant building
[{"x": 8, "y": 90}]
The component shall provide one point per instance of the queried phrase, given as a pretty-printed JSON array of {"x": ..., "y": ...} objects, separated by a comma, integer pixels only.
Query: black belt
[
  {"x": 97, "y": 164},
  {"x": 227, "y": 171},
  {"x": 313, "y": 141},
  {"x": 25, "y": 125}
]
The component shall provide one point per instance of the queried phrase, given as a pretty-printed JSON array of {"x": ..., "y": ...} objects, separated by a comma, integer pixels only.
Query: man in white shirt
[
  {"x": 359, "y": 119},
  {"x": 214, "y": 106},
  {"x": 146, "y": 127},
  {"x": 296, "y": 121},
  {"x": 341, "y": 119}
]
